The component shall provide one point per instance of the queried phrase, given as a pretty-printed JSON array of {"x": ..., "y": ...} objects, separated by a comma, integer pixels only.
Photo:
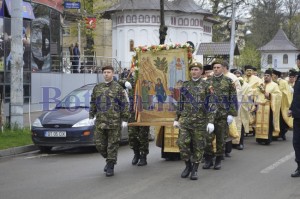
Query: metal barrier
[{"x": 85, "y": 64}]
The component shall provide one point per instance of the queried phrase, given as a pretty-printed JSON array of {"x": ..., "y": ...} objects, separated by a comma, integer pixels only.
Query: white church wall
[
  {"x": 277, "y": 61},
  {"x": 188, "y": 27}
]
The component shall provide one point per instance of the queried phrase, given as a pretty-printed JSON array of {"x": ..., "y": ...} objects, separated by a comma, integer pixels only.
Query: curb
[{"x": 17, "y": 150}]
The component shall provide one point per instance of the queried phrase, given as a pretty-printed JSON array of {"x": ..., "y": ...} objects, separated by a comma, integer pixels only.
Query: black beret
[
  {"x": 207, "y": 67},
  {"x": 298, "y": 57},
  {"x": 196, "y": 64},
  {"x": 268, "y": 71},
  {"x": 292, "y": 72},
  {"x": 233, "y": 70},
  {"x": 276, "y": 72},
  {"x": 247, "y": 67},
  {"x": 191, "y": 44},
  {"x": 237, "y": 71},
  {"x": 109, "y": 67}
]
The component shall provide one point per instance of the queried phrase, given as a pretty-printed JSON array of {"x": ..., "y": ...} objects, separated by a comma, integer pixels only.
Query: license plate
[{"x": 55, "y": 134}]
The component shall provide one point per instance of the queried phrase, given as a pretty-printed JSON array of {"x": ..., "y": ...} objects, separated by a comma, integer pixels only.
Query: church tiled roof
[
  {"x": 188, "y": 6},
  {"x": 217, "y": 48},
  {"x": 280, "y": 42}
]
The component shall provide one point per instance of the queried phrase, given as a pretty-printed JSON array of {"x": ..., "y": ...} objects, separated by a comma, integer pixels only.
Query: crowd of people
[{"x": 215, "y": 110}]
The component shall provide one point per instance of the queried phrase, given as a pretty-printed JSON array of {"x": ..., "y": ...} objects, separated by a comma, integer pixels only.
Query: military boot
[
  {"x": 188, "y": 168},
  {"x": 143, "y": 160},
  {"x": 110, "y": 169},
  {"x": 136, "y": 157},
  {"x": 218, "y": 163},
  {"x": 208, "y": 162},
  {"x": 105, "y": 168},
  {"x": 194, "y": 174},
  {"x": 297, "y": 172}
]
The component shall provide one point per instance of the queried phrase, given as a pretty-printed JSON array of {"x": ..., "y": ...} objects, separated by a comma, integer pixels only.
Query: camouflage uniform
[
  {"x": 224, "y": 93},
  {"x": 193, "y": 113},
  {"x": 110, "y": 107},
  {"x": 138, "y": 135}
]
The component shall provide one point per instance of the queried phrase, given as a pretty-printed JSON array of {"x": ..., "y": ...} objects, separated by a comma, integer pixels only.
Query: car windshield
[{"x": 79, "y": 98}]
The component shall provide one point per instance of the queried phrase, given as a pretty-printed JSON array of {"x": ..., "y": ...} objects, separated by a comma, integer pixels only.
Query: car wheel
[{"x": 45, "y": 149}]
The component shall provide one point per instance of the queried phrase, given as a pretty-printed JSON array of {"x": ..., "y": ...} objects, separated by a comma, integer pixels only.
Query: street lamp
[
  {"x": 232, "y": 36},
  {"x": 248, "y": 32}
]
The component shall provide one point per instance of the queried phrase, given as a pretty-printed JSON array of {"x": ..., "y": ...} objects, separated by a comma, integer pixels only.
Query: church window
[
  {"x": 180, "y": 21},
  {"x": 141, "y": 19},
  {"x": 192, "y": 22},
  {"x": 134, "y": 19},
  {"x": 186, "y": 22},
  {"x": 147, "y": 19},
  {"x": 270, "y": 59},
  {"x": 128, "y": 19},
  {"x": 285, "y": 59},
  {"x": 153, "y": 19},
  {"x": 131, "y": 45},
  {"x": 158, "y": 19}
]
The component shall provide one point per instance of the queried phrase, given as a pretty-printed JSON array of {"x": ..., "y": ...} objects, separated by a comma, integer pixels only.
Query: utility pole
[
  {"x": 79, "y": 36},
  {"x": 16, "y": 80},
  {"x": 163, "y": 28},
  {"x": 232, "y": 36}
]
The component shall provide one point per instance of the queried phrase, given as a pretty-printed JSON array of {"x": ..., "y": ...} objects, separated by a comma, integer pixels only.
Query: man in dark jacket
[
  {"x": 295, "y": 113},
  {"x": 76, "y": 58}
]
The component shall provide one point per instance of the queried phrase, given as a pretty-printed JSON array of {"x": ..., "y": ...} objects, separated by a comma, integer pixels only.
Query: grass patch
[{"x": 14, "y": 138}]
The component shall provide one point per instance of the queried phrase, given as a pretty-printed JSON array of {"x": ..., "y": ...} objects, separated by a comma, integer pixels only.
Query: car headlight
[
  {"x": 37, "y": 123},
  {"x": 85, "y": 122}
]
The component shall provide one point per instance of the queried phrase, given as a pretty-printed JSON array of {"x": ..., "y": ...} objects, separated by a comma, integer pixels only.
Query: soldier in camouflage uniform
[
  {"x": 223, "y": 90},
  {"x": 109, "y": 105},
  {"x": 138, "y": 135},
  {"x": 194, "y": 119}
]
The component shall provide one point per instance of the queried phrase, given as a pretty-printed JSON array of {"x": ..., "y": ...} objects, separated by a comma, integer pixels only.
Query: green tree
[
  {"x": 249, "y": 55},
  {"x": 291, "y": 25},
  {"x": 266, "y": 19},
  {"x": 222, "y": 10}
]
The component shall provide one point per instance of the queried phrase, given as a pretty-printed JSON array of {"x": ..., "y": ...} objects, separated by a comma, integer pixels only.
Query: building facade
[
  {"x": 137, "y": 22},
  {"x": 280, "y": 53},
  {"x": 40, "y": 37}
]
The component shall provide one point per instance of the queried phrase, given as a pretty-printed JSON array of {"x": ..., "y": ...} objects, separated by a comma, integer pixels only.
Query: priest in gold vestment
[
  {"x": 286, "y": 122},
  {"x": 243, "y": 118},
  {"x": 268, "y": 103},
  {"x": 253, "y": 81}
]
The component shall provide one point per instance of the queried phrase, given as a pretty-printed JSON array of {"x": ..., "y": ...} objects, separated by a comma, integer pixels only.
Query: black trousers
[
  {"x": 271, "y": 126},
  {"x": 242, "y": 135},
  {"x": 283, "y": 126},
  {"x": 296, "y": 138},
  {"x": 228, "y": 146}
]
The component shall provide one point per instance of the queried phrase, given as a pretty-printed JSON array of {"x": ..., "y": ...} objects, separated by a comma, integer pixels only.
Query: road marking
[
  {"x": 279, "y": 162},
  {"x": 40, "y": 156}
]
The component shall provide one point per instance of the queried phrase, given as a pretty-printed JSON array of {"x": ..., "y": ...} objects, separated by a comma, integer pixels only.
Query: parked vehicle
[{"x": 68, "y": 124}]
